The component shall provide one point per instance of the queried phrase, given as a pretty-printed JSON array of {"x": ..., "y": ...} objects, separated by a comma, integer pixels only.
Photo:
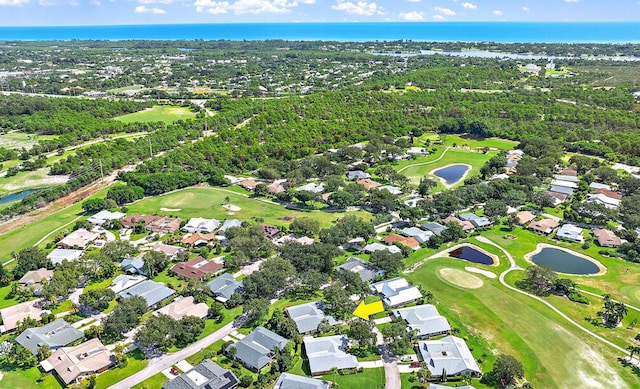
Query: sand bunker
[
  {"x": 231, "y": 207},
  {"x": 485, "y": 273},
  {"x": 460, "y": 278},
  {"x": 171, "y": 209}
]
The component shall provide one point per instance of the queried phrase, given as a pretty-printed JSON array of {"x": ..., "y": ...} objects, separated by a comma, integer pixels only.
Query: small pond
[
  {"x": 10, "y": 198},
  {"x": 472, "y": 255},
  {"x": 564, "y": 262},
  {"x": 452, "y": 173}
]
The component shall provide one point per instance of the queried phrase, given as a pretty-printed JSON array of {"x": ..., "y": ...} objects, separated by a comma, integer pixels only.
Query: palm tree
[
  {"x": 620, "y": 311},
  {"x": 423, "y": 375},
  {"x": 334, "y": 370}
]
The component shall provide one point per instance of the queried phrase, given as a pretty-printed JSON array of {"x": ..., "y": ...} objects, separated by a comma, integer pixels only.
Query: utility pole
[
  {"x": 101, "y": 171},
  {"x": 150, "y": 149}
]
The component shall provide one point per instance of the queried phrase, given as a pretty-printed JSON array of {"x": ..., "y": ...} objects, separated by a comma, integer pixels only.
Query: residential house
[
  {"x": 597, "y": 185},
  {"x": 198, "y": 224},
  {"x": 304, "y": 240},
  {"x": 365, "y": 270},
  {"x": 394, "y": 190},
  {"x": 419, "y": 151},
  {"x": 59, "y": 255},
  {"x": 72, "y": 364},
  {"x": 569, "y": 171},
  {"x": 525, "y": 217},
  {"x": 125, "y": 281},
  {"x": 409, "y": 242},
  {"x": 33, "y": 279},
  {"x": 229, "y": 224},
  {"x": 197, "y": 268},
  {"x": 206, "y": 375},
  {"x": 557, "y": 198},
  {"x": 571, "y": 233},
  {"x": 368, "y": 183},
  {"x": 566, "y": 178},
  {"x": 608, "y": 198},
  {"x": 543, "y": 227},
  {"x": 373, "y": 247},
  {"x": 152, "y": 292},
  {"x": 308, "y": 316},
  {"x": 248, "y": 184},
  {"x": 183, "y": 307},
  {"x": 467, "y": 226},
  {"x": 164, "y": 225},
  {"x": 56, "y": 334},
  {"x": 270, "y": 232},
  {"x": 421, "y": 236},
  {"x": 606, "y": 238},
  {"x": 311, "y": 187},
  {"x": 449, "y": 354},
  {"x": 104, "y": 216},
  {"x": 225, "y": 286},
  {"x": 255, "y": 350},
  {"x": 198, "y": 239},
  {"x": 277, "y": 186},
  {"x": 424, "y": 320},
  {"x": 434, "y": 227},
  {"x": 353, "y": 244},
  {"x": 357, "y": 175},
  {"x": 17, "y": 313},
  {"x": 168, "y": 250},
  {"x": 327, "y": 353},
  {"x": 396, "y": 291},
  {"x": 561, "y": 189},
  {"x": 132, "y": 220},
  {"x": 477, "y": 221},
  {"x": 78, "y": 239},
  {"x": 134, "y": 265},
  {"x": 292, "y": 381}
]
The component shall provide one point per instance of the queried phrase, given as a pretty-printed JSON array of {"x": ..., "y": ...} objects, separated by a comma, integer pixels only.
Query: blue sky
[{"x": 89, "y": 12}]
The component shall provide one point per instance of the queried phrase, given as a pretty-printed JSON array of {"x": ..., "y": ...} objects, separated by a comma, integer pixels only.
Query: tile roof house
[
  {"x": 76, "y": 362},
  {"x": 368, "y": 183},
  {"x": 255, "y": 350},
  {"x": 357, "y": 175},
  {"x": 543, "y": 227},
  {"x": 248, "y": 184},
  {"x": 365, "y": 270},
  {"x": 152, "y": 292},
  {"x": 466, "y": 225},
  {"x": 131, "y": 220},
  {"x": 56, "y": 334},
  {"x": 609, "y": 193},
  {"x": 168, "y": 250},
  {"x": 198, "y": 224},
  {"x": 525, "y": 217},
  {"x": 370, "y": 248},
  {"x": 197, "y": 268},
  {"x": 224, "y": 286},
  {"x": 292, "y": 381},
  {"x": 434, "y": 227},
  {"x": 405, "y": 241},
  {"x": 198, "y": 239},
  {"x": 557, "y": 197},
  {"x": 277, "y": 186},
  {"x": 606, "y": 238},
  {"x": 79, "y": 238},
  {"x": 125, "y": 281},
  {"x": 104, "y": 216},
  {"x": 421, "y": 236},
  {"x": 449, "y": 354},
  {"x": 183, "y": 307},
  {"x": 206, "y": 375},
  {"x": 12, "y": 315},
  {"x": 328, "y": 352},
  {"x": 569, "y": 171},
  {"x": 33, "y": 279},
  {"x": 424, "y": 319},
  {"x": 308, "y": 316},
  {"x": 228, "y": 224},
  {"x": 164, "y": 225},
  {"x": 134, "y": 265},
  {"x": 570, "y": 232},
  {"x": 59, "y": 255},
  {"x": 607, "y": 198},
  {"x": 396, "y": 291}
]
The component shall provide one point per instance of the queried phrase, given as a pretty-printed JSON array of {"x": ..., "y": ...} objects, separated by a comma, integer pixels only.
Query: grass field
[
  {"x": 473, "y": 143},
  {"x": 124, "y": 88},
  {"x": 18, "y": 140},
  {"x": 207, "y": 202},
  {"x": 369, "y": 378},
  {"x": 29, "y": 180},
  {"x": 137, "y": 362},
  {"x": 158, "y": 113},
  {"x": 26, "y": 379}
]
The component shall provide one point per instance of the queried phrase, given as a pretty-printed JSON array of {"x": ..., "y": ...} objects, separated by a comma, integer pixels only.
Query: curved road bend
[{"x": 556, "y": 310}]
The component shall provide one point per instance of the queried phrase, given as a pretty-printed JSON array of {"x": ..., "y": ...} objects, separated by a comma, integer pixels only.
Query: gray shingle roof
[
  {"x": 254, "y": 350},
  {"x": 308, "y": 316},
  {"x": 206, "y": 375},
  {"x": 225, "y": 286},
  {"x": 434, "y": 227},
  {"x": 365, "y": 270},
  {"x": 561, "y": 189},
  {"x": 425, "y": 319},
  {"x": 328, "y": 352},
  {"x": 56, "y": 334},
  {"x": 292, "y": 381},
  {"x": 153, "y": 292}
]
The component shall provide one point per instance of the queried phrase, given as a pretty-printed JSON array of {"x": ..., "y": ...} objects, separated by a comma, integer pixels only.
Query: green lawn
[
  {"x": 369, "y": 378},
  {"x": 158, "y": 113},
  {"x": 207, "y": 202},
  {"x": 465, "y": 141},
  {"x": 18, "y": 140},
  {"x": 155, "y": 381},
  {"x": 5, "y": 301},
  {"x": 408, "y": 381},
  {"x": 26, "y": 379},
  {"x": 124, "y": 88},
  {"x": 137, "y": 362}
]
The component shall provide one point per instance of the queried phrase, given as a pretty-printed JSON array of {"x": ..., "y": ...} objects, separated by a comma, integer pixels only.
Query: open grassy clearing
[
  {"x": 473, "y": 143},
  {"x": 516, "y": 324},
  {"x": 158, "y": 113},
  {"x": 125, "y": 88},
  {"x": 29, "y": 180},
  {"x": 27, "y": 379},
  {"x": 18, "y": 140},
  {"x": 369, "y": 378},
  {"x": 207, "y": 202}
]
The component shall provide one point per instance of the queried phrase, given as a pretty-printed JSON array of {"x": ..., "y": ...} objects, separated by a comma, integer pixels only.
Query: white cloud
[
  {"x": 497, "y": 12},
  {"x": 469, "y": 6},
  {"x": 13, "y": 3},
  {"x": 240, "y": 7},
  {"x": 413, "y": 1},
  {"x": 526, "y": 9},
  {"x": 359, "y": 8},
  {"x": 413, "y": 16},
  {"x": 141, "y": 9},
  {"x": 439, "y": 17},
  {"x": 444, "y": 11},
  {"x": 156, "y": 1}
]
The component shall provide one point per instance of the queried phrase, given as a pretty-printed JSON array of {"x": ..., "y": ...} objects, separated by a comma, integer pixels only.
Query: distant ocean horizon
[{"x": 502, "y": 32}]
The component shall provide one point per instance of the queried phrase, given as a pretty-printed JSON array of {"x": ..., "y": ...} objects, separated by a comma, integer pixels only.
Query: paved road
[
  {"x": 391, "y": 371},
  {"x": 157, "y": 365}
]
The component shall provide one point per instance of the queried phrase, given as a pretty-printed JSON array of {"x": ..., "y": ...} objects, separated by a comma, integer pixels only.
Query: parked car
[
  {"x": 415, "y": 364},
  {"x": 406, "y": 358}
]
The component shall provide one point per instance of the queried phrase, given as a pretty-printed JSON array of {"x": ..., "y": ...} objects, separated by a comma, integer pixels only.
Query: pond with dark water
[
  {"x": 472, "y": 255},
  {"x": 452, "y": 173},
  {"x": 564, "y": 262},
  {"x": 10, "y": 198}
]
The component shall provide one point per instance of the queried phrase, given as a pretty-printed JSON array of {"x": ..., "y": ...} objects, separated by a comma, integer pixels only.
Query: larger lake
[
  {"x": 564, "y": 262},
  {"x": 452, "y": 173}
]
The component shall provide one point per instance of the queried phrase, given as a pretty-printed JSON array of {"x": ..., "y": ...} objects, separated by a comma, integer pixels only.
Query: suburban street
[{"x": 391, "y": 371}]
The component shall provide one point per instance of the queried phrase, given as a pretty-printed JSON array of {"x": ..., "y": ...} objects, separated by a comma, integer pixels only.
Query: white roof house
[
  {"x": 59, "y": 255},
  {"x": 394, "y": 190},
  {"x": 198, "y": 224},
  {"x": 565, "y": 184},
  {"x": 312, "y": 187},
  {"x": 379, "y": 247},
  {"x": 328, "y": 352},
  {"x": 396, "y": 291},
  {"x": 449, "y": 354},
  {"x": 570, "y": 232},
  {"x": 308, "y": 316},
  {"x": 418, "y": 234},
  {"x": 357, "y": 174},
  {"x": 125, "y": 281},
  {"x": 424, "y": 319},
  {"x": 79, "y": 238},
  {"x": 603, "y": 199},
  {"x": 104, "y": 216},
  {"x": 597, "y": 185}
]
